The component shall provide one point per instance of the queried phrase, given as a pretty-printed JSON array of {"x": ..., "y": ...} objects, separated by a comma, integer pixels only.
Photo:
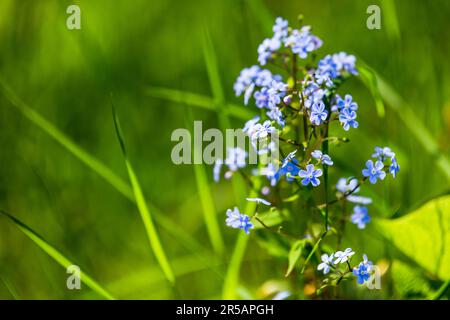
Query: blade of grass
[
  {"x": 96, "y": 165},
  {"x": 390, "y": 19},
  {"x": 197, "y": 100},
  {"x": 262, "y": 14},
  {"x": 146, "y": 217},
  {"x": 369, "y": 79},
  {"x": 219, "y": 103},
  {"x": 56, "y": 255},
  {"x": 231, "y": 282},
  {"x": 411, "y": 121},
  {"x": 206, "y": 199},
  {"x": 10, "y": 288}
]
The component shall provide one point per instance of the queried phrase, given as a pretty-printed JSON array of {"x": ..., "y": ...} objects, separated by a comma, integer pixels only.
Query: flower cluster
[{"x": 298, "y": 109}]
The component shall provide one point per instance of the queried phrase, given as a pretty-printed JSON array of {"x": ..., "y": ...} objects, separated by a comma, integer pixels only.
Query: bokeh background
[{"x": 132, "y": 49}]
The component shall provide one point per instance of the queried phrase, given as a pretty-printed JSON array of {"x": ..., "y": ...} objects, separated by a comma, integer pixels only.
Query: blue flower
[
  {"x": 276, "y": 115},
  {"x": 262, "y": 98},
  {"x": 280, "y": 28},
  {"x": 237, "y": 220},
  {"x": 363, "y": 270},
  {"x": 345, "y": 185},
  {"x": 348, "y": 103},
  {"x": 310, "y": 175},
  {"x": 324, "y": 158},
  {"x": 250, "y": 124},
  {"x": 394, "y": 168},
  {"x": 347, "y": 118},
  {"x": 261, "y": 131},
  {"x": 290, "y": 169},
  {"x": 267, "y": 48},
  {"x": 374, "y": 171},
  {"x": 383, "y": 153},
  {"x": 235, "y": 158},
  {"x": 327, "y": 261},
  {"x": 276, "y": 91},
  {"x": 302, "y": 42},
  {"x": 259, "y": 201},
  {"x": 318, "y": 113},
  {"x": 345, "y": 62},
  {"x": 343, "y": 256},
  {"x": 360, "y": 216}
]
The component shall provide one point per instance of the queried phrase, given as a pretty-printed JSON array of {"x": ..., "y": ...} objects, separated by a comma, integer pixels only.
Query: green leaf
[
  {"x": 291, "y": 198},
  {"x": 423, "y": 235},
  {"x": 141, "y": 203},
  {"x": 57, "y": 256},
  {"x": 408, "y": 281},
  {"x": 294, "y": 254}
]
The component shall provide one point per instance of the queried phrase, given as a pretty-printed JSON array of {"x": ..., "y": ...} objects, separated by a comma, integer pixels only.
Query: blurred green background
[{"x": 129, "y": 47}]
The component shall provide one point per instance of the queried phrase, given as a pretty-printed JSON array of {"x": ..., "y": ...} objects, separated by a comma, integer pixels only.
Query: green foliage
[{"x": 423, "y": 235}]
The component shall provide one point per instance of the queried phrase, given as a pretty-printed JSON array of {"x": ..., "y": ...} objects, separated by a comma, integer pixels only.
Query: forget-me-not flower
[
  {"x": 343, "y": 256},
  {"x": 363, "y": 270},
  {"x": 310, "y": 175},
  {"x": 374, "y": 171},
  {"x": 237, "y": 220},
  {"x": 318, "y": 113},
  {"x": 348, "y": 119},
  {"x": 259, "y": 201},
  {"x": 327, "y": 261},
  {"x": 324, "y": 158},
  {"x": 394, "y": 168},
  {"x": 360, "y": 216}
]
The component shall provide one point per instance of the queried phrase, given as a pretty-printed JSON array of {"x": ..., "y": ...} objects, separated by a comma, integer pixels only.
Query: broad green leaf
[
  {"x": 423, "y": 235},
  {"x": 57, "y": 256},
  {"x": 294, "y": 254},
  {"x": 408, "y": 281},
  {"x": 141, "y": 203}
]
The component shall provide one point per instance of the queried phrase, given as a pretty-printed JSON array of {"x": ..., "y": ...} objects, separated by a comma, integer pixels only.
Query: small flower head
[
  {"x": 259, "y": 201},
  {"x": 347, "y": 117},
  {"x": 363, "y": 270},
  {"x": 237, "y": 220},
  {"x": 374, "y": 171},
  {"x": 360, "y": 216},
  {"x": 394, "y": 168},
  {"x": 289, "y": 169},
  {"x": 346, "y": 103},
  {"x": 310, "y": 175},
  {"x": 324, "y": 158},
  {"x": 343, "y": 256},
  {"x": 327, "y": 261},
  {"x": 383, "y": 153},
  {"x": 318, "y": 113}
]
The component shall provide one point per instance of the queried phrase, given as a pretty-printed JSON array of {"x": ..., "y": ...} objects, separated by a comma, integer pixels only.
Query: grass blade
[
  {"x": 141, "y": 203},
  {"x": 197, "y": 100},
  {"x": 56, "y": 255},
  {"x": 206, "y": 199}
]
